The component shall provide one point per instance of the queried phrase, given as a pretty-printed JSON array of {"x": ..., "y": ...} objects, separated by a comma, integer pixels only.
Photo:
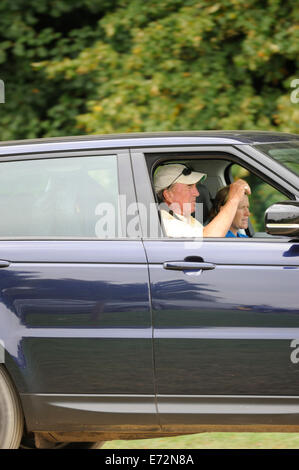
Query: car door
[
  {"x": 225, "y": 312},
  {"x": 75, "y": 313}
]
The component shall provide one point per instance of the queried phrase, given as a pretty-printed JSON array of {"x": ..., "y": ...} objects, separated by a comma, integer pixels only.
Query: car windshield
[{"x": 286, "y": 153}]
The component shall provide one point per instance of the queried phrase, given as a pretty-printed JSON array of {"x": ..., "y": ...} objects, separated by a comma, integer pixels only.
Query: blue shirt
[{"x": 230, "y": 234}]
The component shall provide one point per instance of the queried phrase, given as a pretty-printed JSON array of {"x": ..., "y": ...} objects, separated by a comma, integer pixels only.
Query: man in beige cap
[{"x": 175, "y": 185}]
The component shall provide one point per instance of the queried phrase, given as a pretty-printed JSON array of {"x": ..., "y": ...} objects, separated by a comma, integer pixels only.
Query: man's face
[
  {"x": 242, "y": 214},
  {"x": 182, "y": 198}
]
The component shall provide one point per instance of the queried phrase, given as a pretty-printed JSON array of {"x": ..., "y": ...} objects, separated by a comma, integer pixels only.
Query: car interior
[{"x": 221, "y": 172}]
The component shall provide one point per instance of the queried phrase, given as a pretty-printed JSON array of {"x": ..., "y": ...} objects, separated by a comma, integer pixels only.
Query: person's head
[
  {"x": 240, "y": 220},
  {"x": 175, "y": 184}
]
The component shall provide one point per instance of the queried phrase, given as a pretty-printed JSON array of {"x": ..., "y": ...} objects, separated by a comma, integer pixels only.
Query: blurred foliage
[
  {"x": 128, "y": 65},
  {"x": 34, "y": 31}
]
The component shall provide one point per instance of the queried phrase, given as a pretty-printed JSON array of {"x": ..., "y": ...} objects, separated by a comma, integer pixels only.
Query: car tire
[{"x": 11, "y": 414}]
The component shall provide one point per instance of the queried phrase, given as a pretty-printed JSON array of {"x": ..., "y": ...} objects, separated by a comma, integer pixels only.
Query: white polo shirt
[{"x": 178, "y": 226}]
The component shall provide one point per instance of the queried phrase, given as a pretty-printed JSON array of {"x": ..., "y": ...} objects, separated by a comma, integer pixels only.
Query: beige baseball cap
[{"x": 166, "y": 175}]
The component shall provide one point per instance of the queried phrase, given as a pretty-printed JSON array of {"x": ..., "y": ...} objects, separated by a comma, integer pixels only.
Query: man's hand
[{"x": 238, "y": 189}]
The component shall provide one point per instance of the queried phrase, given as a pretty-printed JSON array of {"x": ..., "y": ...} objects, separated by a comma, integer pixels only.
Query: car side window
[
  {"x": 248, "y": 221},
  {"x": 69, "y": 197}
]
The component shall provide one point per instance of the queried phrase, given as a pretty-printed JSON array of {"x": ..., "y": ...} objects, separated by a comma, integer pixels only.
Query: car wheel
[{"x": 11, "y": 415}]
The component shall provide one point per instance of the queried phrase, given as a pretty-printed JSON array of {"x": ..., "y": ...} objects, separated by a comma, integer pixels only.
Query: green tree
[
  {"x": 132, "y": 65},
  {"x": 32, "y": 31}
]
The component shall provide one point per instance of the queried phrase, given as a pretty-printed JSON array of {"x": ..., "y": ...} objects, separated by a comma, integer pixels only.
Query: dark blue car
[{"x": 108, "y": 328}]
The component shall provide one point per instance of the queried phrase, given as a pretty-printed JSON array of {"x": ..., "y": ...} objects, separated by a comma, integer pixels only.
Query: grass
[{"x": 216, "y": 440}]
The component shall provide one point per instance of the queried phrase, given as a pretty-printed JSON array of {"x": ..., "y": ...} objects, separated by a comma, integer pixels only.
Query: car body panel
[
  {"x": 212, "y": 335},
  {"x": 99, "y": 336},
  {"x": 227, "y": 330},
  {"x": 75, "y": 314}
]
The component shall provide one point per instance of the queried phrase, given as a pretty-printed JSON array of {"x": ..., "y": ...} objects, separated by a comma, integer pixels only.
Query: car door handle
[
  {"x": 188, "y": 266},
  {"x": 4, "y": 264}
]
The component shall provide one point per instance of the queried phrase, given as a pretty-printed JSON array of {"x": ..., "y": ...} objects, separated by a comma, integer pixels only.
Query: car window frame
[
  {"x": 124, "y": 175},
  {"x": 144, "y": 161}
]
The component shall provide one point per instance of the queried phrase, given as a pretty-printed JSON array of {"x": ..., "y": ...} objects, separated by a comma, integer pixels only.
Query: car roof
[{"x": 144, "y": 139}]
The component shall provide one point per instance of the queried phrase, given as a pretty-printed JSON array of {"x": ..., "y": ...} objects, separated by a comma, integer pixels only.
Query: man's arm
[{"x": 220, "y": 225}]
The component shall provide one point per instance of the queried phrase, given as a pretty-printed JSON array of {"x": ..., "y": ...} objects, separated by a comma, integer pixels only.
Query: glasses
[{"x": 186, "y": 171}]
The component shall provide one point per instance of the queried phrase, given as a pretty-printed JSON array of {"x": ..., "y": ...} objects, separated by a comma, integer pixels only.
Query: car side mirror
[{"x": 282, "y": 218}]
